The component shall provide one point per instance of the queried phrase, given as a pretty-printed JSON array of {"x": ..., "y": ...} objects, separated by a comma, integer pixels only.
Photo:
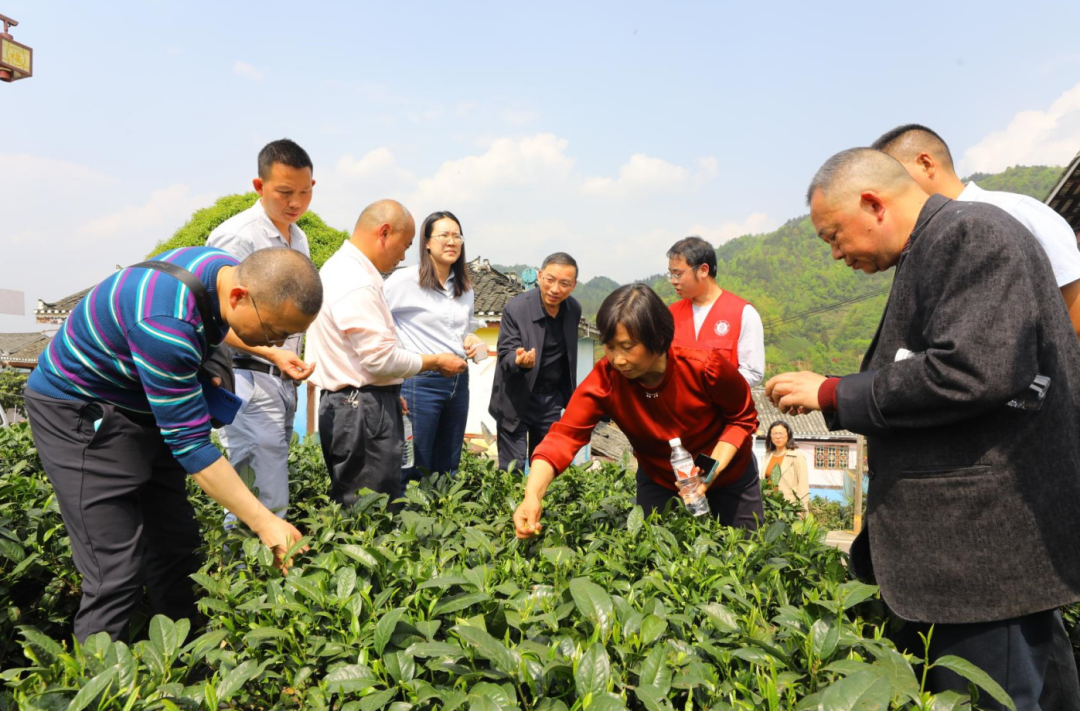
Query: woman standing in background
[
  {"x": 432, "y": 304},
  {"x": 784, "y": 466}
]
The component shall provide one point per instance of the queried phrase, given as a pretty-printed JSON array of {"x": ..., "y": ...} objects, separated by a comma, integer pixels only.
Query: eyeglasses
[
  {"x": 449, "y": 238},
  {"x": 269, "y": 341},
  {"x": 676, "y": 276},
  {"x": 550, "y": 280}
]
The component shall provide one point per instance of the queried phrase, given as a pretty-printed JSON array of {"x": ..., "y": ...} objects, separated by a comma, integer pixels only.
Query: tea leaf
[
  {"x": 593, "y": 671},
  {"x": 976, "y": 676},
  {"x": 385, "y": 628},
  {"x": 593, "y": 602}
]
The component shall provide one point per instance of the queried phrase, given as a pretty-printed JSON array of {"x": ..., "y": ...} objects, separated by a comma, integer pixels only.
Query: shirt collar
[
  {"x": 268, "y": 224},
  {"x": 970, "y": 192},
  {"x": 931, "y": 208},
  {"x": 353, "y": 252}
]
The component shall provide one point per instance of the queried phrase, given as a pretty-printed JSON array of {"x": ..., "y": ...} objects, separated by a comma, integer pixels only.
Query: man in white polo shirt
[
  {"x": 929, "y": 161},
  {"x": 361, "y": 362},
  {"x": 266, "y": 376}
]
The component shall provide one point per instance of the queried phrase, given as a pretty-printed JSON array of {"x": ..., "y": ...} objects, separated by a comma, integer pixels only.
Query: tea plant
[{"x": 439, "y": 606}]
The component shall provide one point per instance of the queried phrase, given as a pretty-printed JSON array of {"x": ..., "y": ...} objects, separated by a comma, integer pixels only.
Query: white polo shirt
[
  {"x": 1053, "y": 232},
  {"x": 353, "y": 341}
]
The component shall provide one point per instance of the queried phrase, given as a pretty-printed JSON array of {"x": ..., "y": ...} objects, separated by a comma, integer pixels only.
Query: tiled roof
[
  {"x": 22, "y": 349},
  {"x": 1065, "y": 196},
  {"x": 492, "y": 288},
  {"x": 809, "y": 426},
  {"x": 57, "y": 311}
]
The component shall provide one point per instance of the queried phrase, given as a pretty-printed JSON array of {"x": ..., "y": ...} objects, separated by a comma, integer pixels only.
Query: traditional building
[
  {"x": 1064, "y": 197},
  {"x": 21, "y": 350}
]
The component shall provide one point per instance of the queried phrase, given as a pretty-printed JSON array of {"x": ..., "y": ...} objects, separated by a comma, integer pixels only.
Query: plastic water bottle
[
  {"x": 683, "y": 465},
  {"x": 408, "y": 456}
]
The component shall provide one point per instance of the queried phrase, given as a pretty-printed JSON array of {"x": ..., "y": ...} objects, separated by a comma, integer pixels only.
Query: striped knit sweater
[{"x": 136, "y": 341}]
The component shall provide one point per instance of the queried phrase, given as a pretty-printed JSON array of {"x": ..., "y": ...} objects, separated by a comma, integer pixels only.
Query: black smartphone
[
  {"x": 223, "y": 405},
  {"x": 708, "y": 467}
]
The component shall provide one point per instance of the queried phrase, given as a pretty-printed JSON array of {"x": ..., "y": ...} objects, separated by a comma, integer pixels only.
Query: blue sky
[{"x": 608, "y": 130}]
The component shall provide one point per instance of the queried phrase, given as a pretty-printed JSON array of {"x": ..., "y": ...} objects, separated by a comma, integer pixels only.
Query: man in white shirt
[
  {"x": 707, "y": 316},
  {"x": 361, "y": 362},
  {"x": 266, "y": 376},
  {"x": 927, "y": 158}
]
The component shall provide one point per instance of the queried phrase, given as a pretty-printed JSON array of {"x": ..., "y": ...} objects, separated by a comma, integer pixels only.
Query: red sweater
[{"x": 702, "y": 399}]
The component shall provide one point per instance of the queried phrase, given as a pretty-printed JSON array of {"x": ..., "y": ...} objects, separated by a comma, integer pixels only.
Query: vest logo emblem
[{"x": 721, "y": 328}]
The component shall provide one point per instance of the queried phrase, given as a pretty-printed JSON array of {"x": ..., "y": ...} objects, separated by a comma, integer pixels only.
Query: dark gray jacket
[
  {"x": 974, "y": 506},
  {"x": 522, "y": 326}
]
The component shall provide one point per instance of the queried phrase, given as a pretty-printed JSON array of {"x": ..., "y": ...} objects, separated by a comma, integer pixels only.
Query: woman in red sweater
[{"x": 655, "y": 392}]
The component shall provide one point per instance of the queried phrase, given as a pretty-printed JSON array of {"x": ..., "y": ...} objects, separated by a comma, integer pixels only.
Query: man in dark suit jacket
[
  {"x": 537, "y": 369},
  {"x": 973, "y": 515}
]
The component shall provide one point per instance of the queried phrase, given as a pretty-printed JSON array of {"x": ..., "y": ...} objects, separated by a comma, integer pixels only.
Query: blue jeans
[{"x": 438, "y": 408}]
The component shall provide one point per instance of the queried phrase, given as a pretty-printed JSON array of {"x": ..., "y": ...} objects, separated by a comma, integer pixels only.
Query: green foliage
[
  {"x": 12, "y": 384},
  {"x": 322, "y": 239},
  {"x": 439, "y": 606},
  {"x": 1034, "y": 181}
]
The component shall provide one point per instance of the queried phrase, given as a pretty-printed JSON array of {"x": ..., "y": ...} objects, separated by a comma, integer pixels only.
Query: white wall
[{"x": 819, "y": 478}]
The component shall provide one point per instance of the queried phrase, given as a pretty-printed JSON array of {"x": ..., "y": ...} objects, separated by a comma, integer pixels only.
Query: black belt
[
  {"x": 395, "y": 389},
  {"x": 259, "y": 367}
]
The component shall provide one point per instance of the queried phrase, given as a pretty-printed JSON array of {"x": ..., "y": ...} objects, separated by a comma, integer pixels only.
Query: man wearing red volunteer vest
[{"x": 708, "y": 317}]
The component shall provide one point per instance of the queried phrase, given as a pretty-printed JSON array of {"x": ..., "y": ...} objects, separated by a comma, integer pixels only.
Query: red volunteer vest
[{"x": 721, "y": 329}]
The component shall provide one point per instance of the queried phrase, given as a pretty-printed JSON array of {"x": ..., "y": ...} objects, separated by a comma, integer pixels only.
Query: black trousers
[
  {"x": 518, "y": 443},
  {"x": 361, "y": 433},
  {"x": 124, "y": 503},
  {"x": 738, "y": 505},
  {"x": 1025, "y": 655}
]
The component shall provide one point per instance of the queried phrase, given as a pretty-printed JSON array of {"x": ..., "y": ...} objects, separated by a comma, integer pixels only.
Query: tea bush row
[{"x": 439, "y": 606}]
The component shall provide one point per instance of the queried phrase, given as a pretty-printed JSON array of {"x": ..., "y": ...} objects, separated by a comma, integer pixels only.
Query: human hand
[
  {"x": 525, "y": 359},
  {"x": 795, "y": 393},
  {"x": 449, "y": 364},
  {"x": 693, "y": 490},
  {"x": 404, "y": 406},
  {"x": 291, "y": 365},
  {"x": 279, "y": 536},
  {"x": 473, "y": 345},
  {"x": 527, "y": 517}
]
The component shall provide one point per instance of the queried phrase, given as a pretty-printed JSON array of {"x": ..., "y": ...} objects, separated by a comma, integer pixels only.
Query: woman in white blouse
[{"x": 432, "y": 304}]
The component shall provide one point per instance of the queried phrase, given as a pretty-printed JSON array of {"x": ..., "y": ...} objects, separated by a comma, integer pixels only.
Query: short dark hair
[
  {"x": 914, "y": 138},
  {"x": 561, "y": 258},
  {"x": 641, "y": 312},
  {"x": 696, "y": 251},
  {"x": 277, "y": 275},
  {"x": 769, "y": 446},
  {"x": 285, "y": 152},
  {"x": 867, "y": 167},
  {"x": 428, "y": 278}
]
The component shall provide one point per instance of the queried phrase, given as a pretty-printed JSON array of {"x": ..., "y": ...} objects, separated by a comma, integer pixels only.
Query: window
[{"x": 830, "y": 456}]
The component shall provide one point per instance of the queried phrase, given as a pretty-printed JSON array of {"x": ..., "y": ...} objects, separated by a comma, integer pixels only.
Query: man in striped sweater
[{"x": 119, "y": 419}]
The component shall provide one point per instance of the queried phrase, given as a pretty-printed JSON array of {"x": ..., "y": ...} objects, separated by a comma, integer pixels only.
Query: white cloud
[
  {"x": 755, "y": 223},
  {"x": 1033, "y": 137},
  {"x": 247, "y": 71},
  {"x": 174, "y": 51},
  {"x": 644, "y": 176},
  {"x": 353, "y": 183},
  {"x": 508, "y": 162},
  {"x": 160, "y": 215}
]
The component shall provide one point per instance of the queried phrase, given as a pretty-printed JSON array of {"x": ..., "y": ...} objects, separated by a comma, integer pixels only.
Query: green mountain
[{"x": 818, "y": 314}]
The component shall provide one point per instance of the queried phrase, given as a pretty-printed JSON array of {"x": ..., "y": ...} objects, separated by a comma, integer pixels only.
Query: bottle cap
[{"x": 677, "y": 442}]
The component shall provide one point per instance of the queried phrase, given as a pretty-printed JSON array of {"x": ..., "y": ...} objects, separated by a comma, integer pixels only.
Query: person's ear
[
  {"x": 872, "y": 202},
  {"x": 927, "y": 164},
  {"x": 312, "y": 183},
  {"x": 236, "y": 295},
  {"x": 257, "y": 183}
]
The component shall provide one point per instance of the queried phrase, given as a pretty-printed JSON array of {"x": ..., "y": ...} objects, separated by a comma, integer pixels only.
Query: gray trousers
[
  {"x": 124, "y": 503},
  {"x": 361, "y": 434},
  {"x": 259, "y": 437}
]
